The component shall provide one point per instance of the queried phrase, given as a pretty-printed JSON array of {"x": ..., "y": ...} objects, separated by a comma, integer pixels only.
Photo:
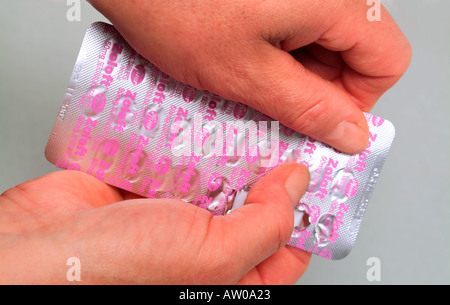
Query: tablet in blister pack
[{"x": 130, "y": 125}]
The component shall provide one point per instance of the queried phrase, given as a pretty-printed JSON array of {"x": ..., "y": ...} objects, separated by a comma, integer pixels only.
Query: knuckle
[
  {"x": 403, "y": 50},
  {"x": 307, "y": 114},
  {"x": 406, "y": 58}
]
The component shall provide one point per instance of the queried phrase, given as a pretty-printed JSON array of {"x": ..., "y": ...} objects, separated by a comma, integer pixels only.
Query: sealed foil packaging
[{"x": 132, "y": 126}]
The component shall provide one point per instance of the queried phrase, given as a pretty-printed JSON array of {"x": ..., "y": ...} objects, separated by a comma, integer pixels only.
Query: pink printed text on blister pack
[{"x": 132, "y": 126}]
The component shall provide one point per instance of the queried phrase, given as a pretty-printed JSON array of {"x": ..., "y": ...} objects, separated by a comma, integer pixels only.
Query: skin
[
  {"x": 122, "y": 239},
  {"x": 315, "y": 66},
  {"x": 312, "y": 65}
]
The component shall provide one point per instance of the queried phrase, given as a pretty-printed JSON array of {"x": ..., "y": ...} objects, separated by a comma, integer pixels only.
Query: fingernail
[
  {"x": 348, "y": 138},
  {"x": 297, "y": 183}
]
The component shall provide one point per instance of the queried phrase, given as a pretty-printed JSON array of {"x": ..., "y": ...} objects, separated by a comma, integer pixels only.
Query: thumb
[
  {"x": 264, "y": 224},
  {"x": 283, "y": 89}
]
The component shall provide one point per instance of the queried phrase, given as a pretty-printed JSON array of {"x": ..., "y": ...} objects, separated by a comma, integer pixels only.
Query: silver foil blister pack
[{"x": 130, "y": 125}]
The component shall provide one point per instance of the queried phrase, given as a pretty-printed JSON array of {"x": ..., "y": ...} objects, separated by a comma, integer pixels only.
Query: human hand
[
  {"x": 122, "y": 239},
  {"x": 312, "y": 65}
]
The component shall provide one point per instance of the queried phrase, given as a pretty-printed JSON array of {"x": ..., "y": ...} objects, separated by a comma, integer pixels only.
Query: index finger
[{"x": 376, "y": 53}]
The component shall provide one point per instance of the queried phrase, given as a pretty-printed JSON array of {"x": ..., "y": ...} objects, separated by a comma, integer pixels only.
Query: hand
[
  {"x": 312, "y": 65},
  {"x": 122, "y": 239}
]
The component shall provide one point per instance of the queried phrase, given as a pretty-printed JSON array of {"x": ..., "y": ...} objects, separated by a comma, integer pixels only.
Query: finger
[
  {"x": 255, "y": 231},
  {"x": 284, "y": 267},
  {"x": 317, "y": 96},
  {"x": 66, "y": 189},
  {"x": 376, "y": 53},
  {"x": 325, "y": 63},
  {"x": 284, "y": 89},
  {"x": 379, "y": 55}
]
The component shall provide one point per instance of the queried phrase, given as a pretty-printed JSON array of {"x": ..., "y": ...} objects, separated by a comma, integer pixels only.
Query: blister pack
[{"x": 130, "y": 125}]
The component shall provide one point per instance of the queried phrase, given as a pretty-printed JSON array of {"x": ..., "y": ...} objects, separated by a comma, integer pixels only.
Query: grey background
[{"x": 407, "y": 221}]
